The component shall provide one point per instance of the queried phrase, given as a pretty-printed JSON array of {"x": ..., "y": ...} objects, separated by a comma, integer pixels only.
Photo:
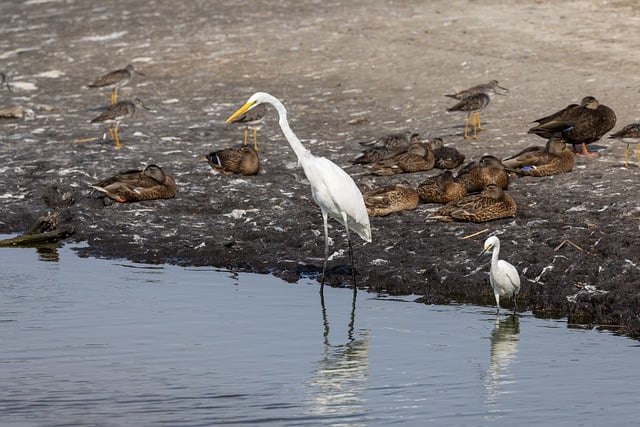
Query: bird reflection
[
  {"x": 48, "y": 253},
  {"x": 339, "y": 381},
  {"x": 504, "y": 347}
]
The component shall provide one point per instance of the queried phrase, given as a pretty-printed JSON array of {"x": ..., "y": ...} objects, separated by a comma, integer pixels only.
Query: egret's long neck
[
  {"x": 293, "y": 140},
  {"x": 495, "y": 253}
]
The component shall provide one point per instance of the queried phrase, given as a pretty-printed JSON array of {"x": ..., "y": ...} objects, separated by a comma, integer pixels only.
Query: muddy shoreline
[{"x": 346, "y": 73}]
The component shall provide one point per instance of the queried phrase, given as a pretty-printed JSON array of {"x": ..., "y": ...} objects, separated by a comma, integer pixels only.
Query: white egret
[
  {"x": 331, "y": 187},
  {"x": 504, "y": 277}
]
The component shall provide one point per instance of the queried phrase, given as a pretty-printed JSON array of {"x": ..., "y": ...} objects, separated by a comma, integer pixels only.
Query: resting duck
[
  {"x": 441, "y": 189},
  {"x": 243, "y": 160},
  {"x": 446, "y": 157},
  {"x": 389, "y": 199},
  {"x": 552, "y": 159},
  {"x": 475, "y": 176},
  {"x": 385, "y": 147},
  {"x": 418, "y": 157},
  {"x": 138, "y": 185},
  {"x": 492, "y": 203}
]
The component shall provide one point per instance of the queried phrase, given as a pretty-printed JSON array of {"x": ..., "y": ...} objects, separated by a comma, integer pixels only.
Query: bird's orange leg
[
  {"x": 114, "y": 96},
  {"x": 246, "y": 135},
  {"x": 478, "y": 124},
  {"x": 586, "y": 152},
  {"x": 466, "y": 128},
  {"x": 117, "y": 139},
  {"x": 255, "y": 139},
  {"x": 626, "y": 157},
  {"x": 638, "y": 154}
]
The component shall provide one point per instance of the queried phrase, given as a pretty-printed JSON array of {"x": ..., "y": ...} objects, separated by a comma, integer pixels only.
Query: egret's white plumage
[
  {"x": 333, "y": 190},
  {"x": 504, "y": 277}
]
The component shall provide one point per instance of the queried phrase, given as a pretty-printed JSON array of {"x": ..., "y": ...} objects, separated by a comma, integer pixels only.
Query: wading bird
[
  {"x": 116, "y": 113},
  {"x": 253, "y": 120},
  {"x": 115, "y": 80},
  {"x": 629, "y": 134},
  {"x": 504, "y": 277},
  {"x": 333, "y": 190}
]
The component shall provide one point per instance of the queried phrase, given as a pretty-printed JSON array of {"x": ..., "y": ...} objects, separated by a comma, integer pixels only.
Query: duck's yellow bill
[{"x": 241, "y": 111}]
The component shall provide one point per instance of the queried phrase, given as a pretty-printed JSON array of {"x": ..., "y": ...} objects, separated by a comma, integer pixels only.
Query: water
[{"x": 87, "y": 342}]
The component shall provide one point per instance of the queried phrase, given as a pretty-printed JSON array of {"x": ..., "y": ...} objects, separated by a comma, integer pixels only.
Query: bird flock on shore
[{"x": 477, "y": 192}]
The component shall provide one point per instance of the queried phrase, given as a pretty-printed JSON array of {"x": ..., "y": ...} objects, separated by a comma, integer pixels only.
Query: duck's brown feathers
[
  {"x": 493, "y": 203},
  {"x": 243, "y": 160}
]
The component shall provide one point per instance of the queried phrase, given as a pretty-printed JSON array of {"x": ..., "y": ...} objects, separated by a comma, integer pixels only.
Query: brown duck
[
  {"x": 418, "y": 157},
  {"x": 441, "y": 189},
  {"x": 385, "y": 147},
  {"x": 552, "y": 159},
  {"x": 579, "y": 125},
  {"x": 492, "y": 203},
  {"x": 138, "y": 185},
  {"x": 243, "y": 160},
  {"x": 446, "y": 157},
  {"x": 389, "y": 199},
  {"x": 475, "y": 176}
]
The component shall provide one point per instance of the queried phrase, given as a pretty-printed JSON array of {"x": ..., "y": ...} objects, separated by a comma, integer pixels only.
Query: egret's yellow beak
[{"x": 246, "y": 107}]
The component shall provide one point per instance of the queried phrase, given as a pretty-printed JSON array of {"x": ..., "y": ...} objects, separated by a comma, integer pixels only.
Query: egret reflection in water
[
  {"x": 504, "y": 349},
  {"x": 340, "y": 377}
]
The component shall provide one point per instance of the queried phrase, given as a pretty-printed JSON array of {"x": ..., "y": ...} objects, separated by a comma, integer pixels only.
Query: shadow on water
[
  {"x": 339, "y": 381},
  {"x": 504, "y": 349}
]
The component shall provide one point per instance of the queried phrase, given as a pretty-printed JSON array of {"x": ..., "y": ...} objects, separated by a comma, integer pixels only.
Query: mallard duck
[
  {"x": 487, "y": 88},
  {"x": 552, "y": 159},
  {"x": 441, "y": 189},
  {"x": 385, "y": 147},
  {"x": 392, "y": 198},
  {"x": 418, "y": 157},
  {"x": 475, "y": 176},
  {"x": 116, "y": 113},
  {"x": 243, "y": 160},
  {"x": 492, "y": 203},
  {"x": 629, "y": 134},
  {"x": 138, "y": 185},
  {"x": 253, "y": 120},
  {"x": 446, "y": 157},
  {"x": 581, "y": 124},
  {"x": 115, "y": 80}
]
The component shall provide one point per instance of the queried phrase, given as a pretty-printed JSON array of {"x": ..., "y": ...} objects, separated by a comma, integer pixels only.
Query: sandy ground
[{"x": 347, "y": 72}]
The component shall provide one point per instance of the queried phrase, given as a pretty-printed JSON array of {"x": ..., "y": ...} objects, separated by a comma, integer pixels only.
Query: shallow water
[{"x": 88, "y": 342}]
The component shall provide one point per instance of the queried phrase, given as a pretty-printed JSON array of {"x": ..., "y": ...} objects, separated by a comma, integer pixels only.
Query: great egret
[
  {"x": 115, "y": 80},
  {"x": 504, "y": 277},
  {"x": 331, "y": 187}
]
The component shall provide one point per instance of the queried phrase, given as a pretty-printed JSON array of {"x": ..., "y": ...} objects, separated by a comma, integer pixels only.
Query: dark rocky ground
[{"x": 347, "y": 72}]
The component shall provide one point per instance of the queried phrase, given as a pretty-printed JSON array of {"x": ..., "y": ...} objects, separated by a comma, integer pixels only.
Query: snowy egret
[
  {"x": 331, "y": 187},
  {"x": 504, "y": 277},
  {"x": 115, "y": 80}
]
